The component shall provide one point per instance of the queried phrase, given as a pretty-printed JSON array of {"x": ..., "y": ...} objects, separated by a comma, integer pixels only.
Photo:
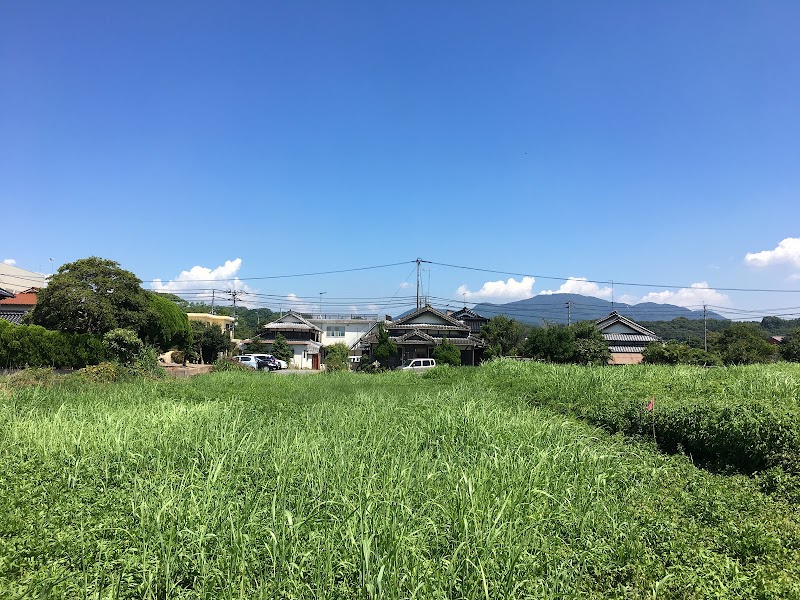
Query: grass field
[{"x": 476, "y": 483}]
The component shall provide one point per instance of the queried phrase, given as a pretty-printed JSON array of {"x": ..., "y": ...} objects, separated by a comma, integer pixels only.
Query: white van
[{"x": 417, "y": 364}]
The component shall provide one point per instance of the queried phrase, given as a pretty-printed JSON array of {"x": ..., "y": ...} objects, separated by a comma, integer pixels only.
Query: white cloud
[
  {"x": 293, "y": 302},
  {"x": 200, "y": 280},
  {"x": 404, "y": 285},
  {"x": 579, "y": 285},
  {"x": 505, "y": 291},
  {"x": 787, "y": 252},
  {"x": 695, "y": 295},
  {"x": 10, "y": 262}
]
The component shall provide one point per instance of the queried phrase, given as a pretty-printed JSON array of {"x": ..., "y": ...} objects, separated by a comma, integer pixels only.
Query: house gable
[
  {"x": 616, "y": 323},
  {"x": 429, "y": 316}
]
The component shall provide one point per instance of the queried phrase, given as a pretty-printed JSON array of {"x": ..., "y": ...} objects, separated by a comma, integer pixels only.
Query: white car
[
  {"x": 417, "y": 364},
  {"x": 248, "y": 360}
]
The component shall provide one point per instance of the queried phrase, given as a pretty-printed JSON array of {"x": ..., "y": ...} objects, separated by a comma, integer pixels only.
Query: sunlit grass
[{"x": 240, "y": 485}]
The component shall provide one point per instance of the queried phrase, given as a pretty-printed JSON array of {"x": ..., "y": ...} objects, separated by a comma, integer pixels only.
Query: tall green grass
[
  {"x": 744, "y": 418},
  {"x": 246, "y": 485}
]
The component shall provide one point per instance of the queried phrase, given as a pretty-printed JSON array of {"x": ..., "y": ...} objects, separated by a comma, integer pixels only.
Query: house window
[{"x": 334, "y": 330}]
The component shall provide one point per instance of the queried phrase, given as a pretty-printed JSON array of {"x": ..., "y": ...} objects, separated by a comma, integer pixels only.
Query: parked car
[
  {"x": 268, "y": 362},
  {"x": 250, "y": 361},
  {"x": 277, "y": 364},
  {"x": 417, "y": 364}
]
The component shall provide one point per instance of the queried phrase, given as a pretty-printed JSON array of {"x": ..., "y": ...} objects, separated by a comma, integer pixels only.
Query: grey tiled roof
[
  {"x": 629, "y": 337},
  {"x": 468, "y": 314},
  {"x": 460, "y": 327},
  {"x": 626, "y": 349},
  {"x": 419, "y": 311},
  {"x": 12, "y": 316}
]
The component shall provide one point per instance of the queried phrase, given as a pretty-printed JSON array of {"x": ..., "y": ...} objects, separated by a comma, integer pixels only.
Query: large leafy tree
[
  {"x": 91, "y": 295},
  {"x": 208, "y": 341},
  {"x": 790, "y": 346},
  {"x": 503, "y": 335},
  {"x": 165, "y": 324},
  {"x": 744, "y": 343}
]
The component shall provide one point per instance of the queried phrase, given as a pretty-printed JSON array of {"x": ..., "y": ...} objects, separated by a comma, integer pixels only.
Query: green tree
[
  {"x": 560, "y": 344},
  {"x": 386, "y": 348},
  {"x": 744, "y": 344},
  {"x": 91, "y": 295},
  {"x": 447, "y": 353},
  {"x": 790, "y": 346},
  {"x": 165, "y": 324},
  {"x": 590, "y": 345},
  {"x": 281, "y": 350},
  {"x": 208, "y": 341},
  {"x": 122, "y": 346},
  {"x": 337, "y": 357},
  {"x": 504, "y": 334}
]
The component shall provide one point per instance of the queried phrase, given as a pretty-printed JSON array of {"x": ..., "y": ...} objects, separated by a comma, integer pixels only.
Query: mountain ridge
[{"x": 552, "y": 308}]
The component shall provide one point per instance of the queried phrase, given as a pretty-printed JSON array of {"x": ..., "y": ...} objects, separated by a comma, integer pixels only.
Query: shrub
[
  {"x": 105, "y": 372},
  {"x": 337, "y": 357},
  {"x": 447, "y": 353},
  {"x": 122, "y": 346},
  {"x": 228, "y": 364},
  {"x": 146, "y": 364},
  {"x": 35, "y": 346},
  {"x": 178, "y": 357}
]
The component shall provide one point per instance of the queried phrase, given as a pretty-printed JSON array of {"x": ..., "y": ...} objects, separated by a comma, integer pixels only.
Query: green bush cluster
[
  {"x": 674, "y": 353},
  {"x": 105, "y": 372},
  {"x": 35, "y": 346},
  {"x": 337, "y": 357}
]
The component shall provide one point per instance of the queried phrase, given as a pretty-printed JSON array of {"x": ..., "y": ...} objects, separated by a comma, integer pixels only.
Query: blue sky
[{"x": 628, "y": 141}]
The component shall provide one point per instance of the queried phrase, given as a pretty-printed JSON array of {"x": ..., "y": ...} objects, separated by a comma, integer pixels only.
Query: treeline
[
  {"x": 690, "y": 331},
  {"x": 728, "y": 343},
  {"x": 248, "y": 320}
]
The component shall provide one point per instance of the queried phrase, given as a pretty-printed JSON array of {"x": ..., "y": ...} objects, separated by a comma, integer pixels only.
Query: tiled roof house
[
  {"x": 625, "y": 338},
  {"x": 14, "y": 307},
  {"x": 418, "y": 333},
  {"x": 302, "y": 336}
]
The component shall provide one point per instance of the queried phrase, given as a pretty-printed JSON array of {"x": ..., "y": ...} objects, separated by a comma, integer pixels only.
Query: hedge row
[
  {"x": 34, "y": 346},
  {"x": 744, "y": 418}
]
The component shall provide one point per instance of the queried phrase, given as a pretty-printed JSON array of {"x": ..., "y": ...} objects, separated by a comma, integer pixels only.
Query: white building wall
[{"x": 354, "y": 329}]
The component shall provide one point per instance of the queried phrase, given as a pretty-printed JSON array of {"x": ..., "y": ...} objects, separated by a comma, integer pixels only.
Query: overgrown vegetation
[
  {"x": 462, "y": 483},
  {"x": 34, "y": 346},
  {"x": 337, "y": 357}
]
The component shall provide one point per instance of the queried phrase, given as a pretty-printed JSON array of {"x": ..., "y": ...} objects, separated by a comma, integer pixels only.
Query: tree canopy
[
  {"x": 447, "y": 353},
  {"x": 91, "y": 295},
  {"x": 503, "y": 335}
]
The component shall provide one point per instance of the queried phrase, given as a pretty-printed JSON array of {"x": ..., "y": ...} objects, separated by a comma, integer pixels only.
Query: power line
[
  {"x": 608, "y": 282},
  {"x": 289, "y": 276}
]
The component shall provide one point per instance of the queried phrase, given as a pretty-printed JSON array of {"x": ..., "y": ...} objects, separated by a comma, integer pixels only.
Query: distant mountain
[{"x": 553, "y": 309}]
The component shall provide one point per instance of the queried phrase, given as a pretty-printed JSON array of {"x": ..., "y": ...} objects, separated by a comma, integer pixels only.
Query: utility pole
[
  {"x": 320, "y": 303},
  {"x": 419, "y": 262},
  {"x": 212, "y": 301},
  {"x": 234, "y": 294},
  {"x": 705, "y": 328},
  {"x": 569, "y": 312}
]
